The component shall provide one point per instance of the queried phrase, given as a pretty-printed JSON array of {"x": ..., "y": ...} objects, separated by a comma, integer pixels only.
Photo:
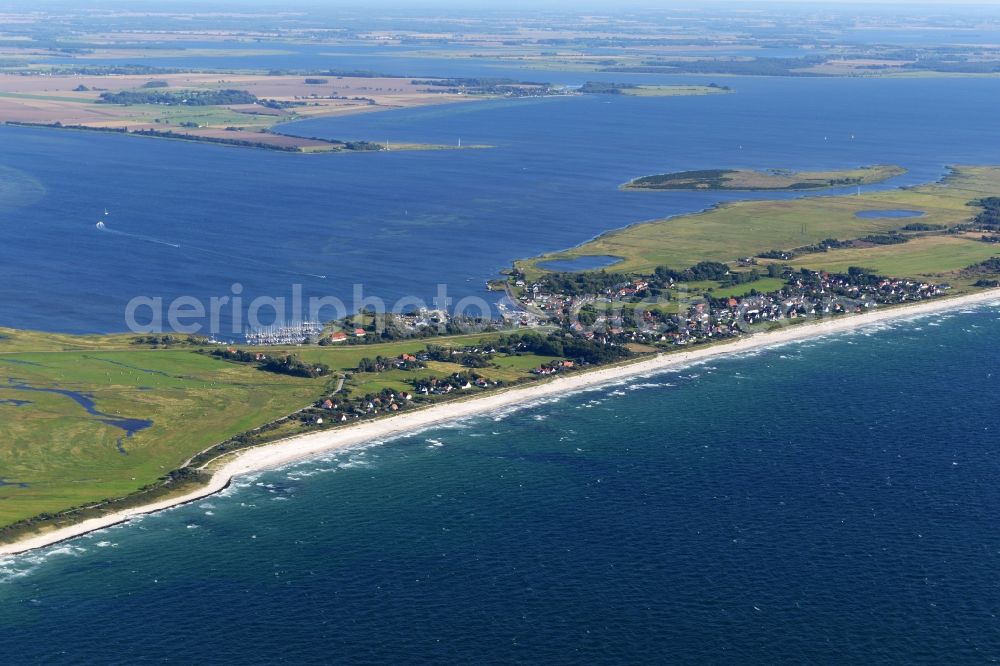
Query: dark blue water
[
  {"x": 829, "y": 502},
  {"x": 401, "y": 223},
  {"x": 882, "y": 214}
]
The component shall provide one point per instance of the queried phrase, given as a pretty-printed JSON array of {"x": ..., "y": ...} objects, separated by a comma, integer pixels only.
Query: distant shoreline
[
  {"x": 301, "y": 447},
  {"x": 771, "y": 180},
  {"x": 318, "y": 146}
]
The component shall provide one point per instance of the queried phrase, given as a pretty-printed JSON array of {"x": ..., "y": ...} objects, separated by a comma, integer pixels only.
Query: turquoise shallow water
[{"x": 825, "y": 502}]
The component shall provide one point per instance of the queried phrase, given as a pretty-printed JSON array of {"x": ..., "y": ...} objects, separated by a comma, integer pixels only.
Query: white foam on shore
[{"x": 357, "y": 438}]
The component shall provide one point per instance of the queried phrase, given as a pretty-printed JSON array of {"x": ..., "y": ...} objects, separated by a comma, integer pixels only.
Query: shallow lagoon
[
  {"x": 400, "y": 223},
  {"x": 888, "y": 214}
]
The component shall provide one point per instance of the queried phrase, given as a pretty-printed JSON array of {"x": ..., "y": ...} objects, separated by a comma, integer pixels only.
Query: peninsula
[
  {"x": 718, "y": 281},
  {"x": 216, "y": 474},
  {"x": 772, "y": 179},
  {"x": 234, "y": 109}
]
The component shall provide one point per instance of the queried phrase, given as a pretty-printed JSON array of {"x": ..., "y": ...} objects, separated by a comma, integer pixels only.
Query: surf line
[{"x": 101, "y": 226}]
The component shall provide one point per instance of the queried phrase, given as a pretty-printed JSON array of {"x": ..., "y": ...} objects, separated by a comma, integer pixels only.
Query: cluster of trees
[
  {"x": 377, "y": 364},
  {"x": 361, "y": 145},
  {"x": 990, "y": 216},
  {"x": 238, "y": 355},
  {"x": 579, "y": 284},
  {"x": 169, "y": 340},
  {"x": 886, "y": 239},
  {"x": 474, "y": 360},
  {"x": 179, "y": 98},
  {"x": 289, "y": 364},
  {"x": 279, "y": 104},
  {"x": 991, "y": 265},
  {"x": 595, "y": 282},
  {"x": 348, "y": 145},
  {"x": 706, "y": 271},
  {"x": 891, "y": 238},
  {"x": 559, "y": 345},
  {"x": 457, "y": 380},
  {"x": 605, "y": 88},
  {"x": 293, "y": 365},
  {"x": 467, "y": 358},
  {"x": 962, "y": 65},
  {"x": 712, "y": 179},
  {"x": 382, "y": 363},
  {"x": 777, "y": 254},
  {"x": 823, "y": 246},
  {"x": 703, "y": 270}
]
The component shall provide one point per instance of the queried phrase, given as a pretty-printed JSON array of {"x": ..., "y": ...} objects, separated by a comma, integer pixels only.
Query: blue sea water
[
  {"x": 194, "y": 219},
  {"x": 824, "y": 502},
  {"x": 833, "y": 502}
]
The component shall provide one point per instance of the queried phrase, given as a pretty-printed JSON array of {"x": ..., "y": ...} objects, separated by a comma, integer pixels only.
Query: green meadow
[
  {"x": 67, "y": 457},
  {"x": 926, "y": 257},
  {"x": 56, "y": 456},
  {"x": 746, "y": 228}
]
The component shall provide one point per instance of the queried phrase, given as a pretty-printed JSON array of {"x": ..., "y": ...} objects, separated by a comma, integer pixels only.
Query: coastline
[{"x": 301, "y": 447}]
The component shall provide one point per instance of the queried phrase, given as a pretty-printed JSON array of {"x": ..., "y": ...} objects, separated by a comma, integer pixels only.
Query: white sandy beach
[{"x": 297, "y": 448}]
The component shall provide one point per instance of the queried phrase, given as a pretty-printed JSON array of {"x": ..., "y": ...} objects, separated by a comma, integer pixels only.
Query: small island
[
  {"x": 642, "y": 90},
  {"x": 770, "y": 180}
]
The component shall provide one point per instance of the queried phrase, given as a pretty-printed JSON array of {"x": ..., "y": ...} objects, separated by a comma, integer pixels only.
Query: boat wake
[
  {"x": 149, "y": 239},
  {"x": 101, "y": 226}
]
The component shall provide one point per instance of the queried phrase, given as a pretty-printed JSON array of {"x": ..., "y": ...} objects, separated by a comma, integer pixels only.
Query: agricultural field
[
  {"x": 747, "y": 228},
  {"x": 74, "y": 100}
]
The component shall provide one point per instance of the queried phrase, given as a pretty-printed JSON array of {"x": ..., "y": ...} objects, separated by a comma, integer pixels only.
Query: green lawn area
[
  {"x": 763, "y": 285},
  {"x": 346, "y": 357},
  {"x": 69, "y": 457},
  {"x": 507, "y": 369},
  {"x": 749, "y": 227},
  {"x": 922, "y": 257}
]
